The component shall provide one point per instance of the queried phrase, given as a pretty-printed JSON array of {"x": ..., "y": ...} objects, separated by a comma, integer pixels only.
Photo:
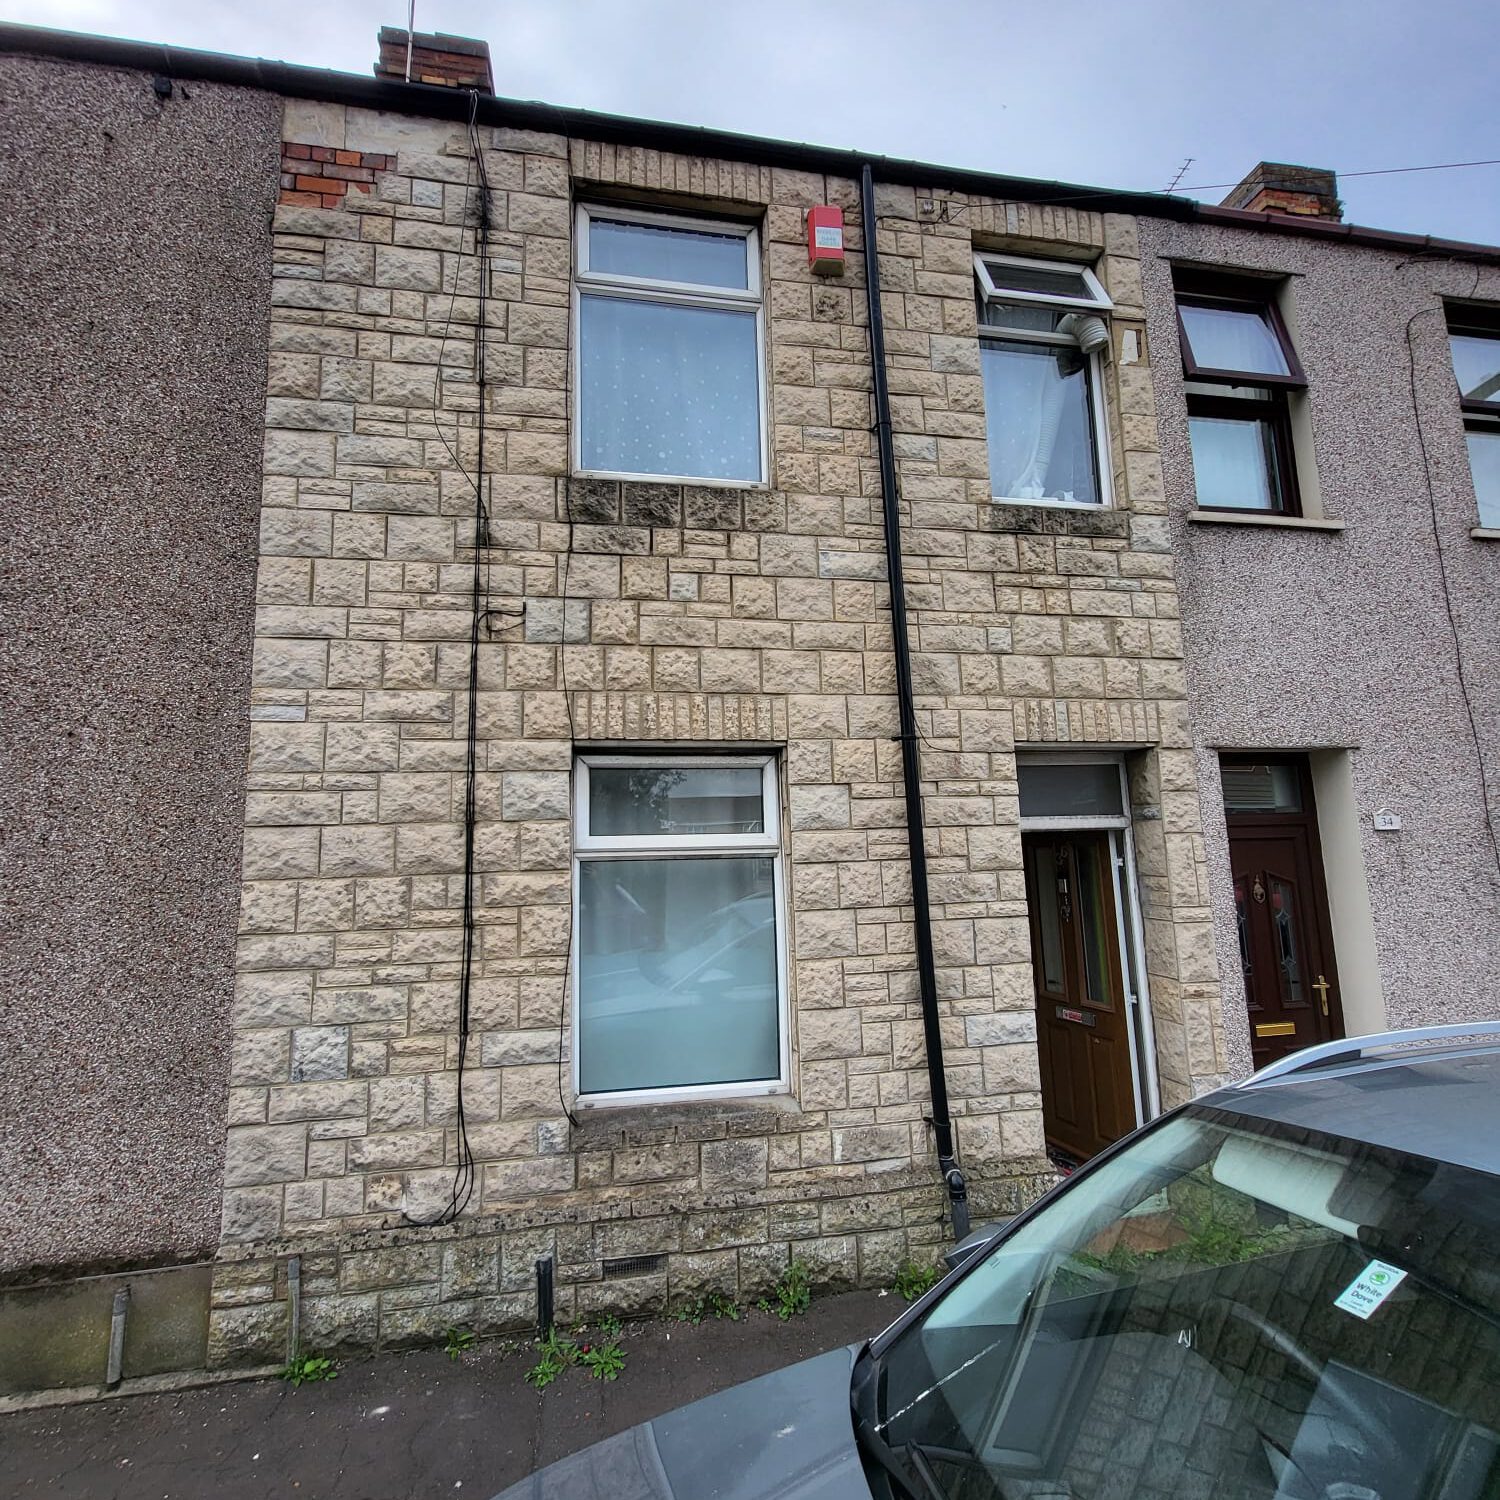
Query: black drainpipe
[{"x": 911, "y": 770}]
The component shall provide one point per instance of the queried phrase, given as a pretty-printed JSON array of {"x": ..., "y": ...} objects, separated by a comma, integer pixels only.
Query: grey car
[{"x": 1287, "y": 1290}]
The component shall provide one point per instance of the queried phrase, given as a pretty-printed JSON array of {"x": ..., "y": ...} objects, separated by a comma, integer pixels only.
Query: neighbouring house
[
  {"x": 1334, "y": 494},
  {"x": 472, "y": 803}
]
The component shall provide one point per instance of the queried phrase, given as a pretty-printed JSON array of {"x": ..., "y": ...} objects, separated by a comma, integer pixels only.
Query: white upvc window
[
  {"x": 679, "y": 935},
  {"x": 668, "y": 320},
  {"x": 1041, "y": 340}
]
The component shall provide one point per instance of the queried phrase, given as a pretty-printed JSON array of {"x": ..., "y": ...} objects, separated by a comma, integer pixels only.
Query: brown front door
[
  {"x": 1083, "y": 1025},
  {"x": 1281, "y": 908}
]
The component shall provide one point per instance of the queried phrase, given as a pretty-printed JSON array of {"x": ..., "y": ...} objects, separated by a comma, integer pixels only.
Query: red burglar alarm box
[{"x": 825, "y": 239}]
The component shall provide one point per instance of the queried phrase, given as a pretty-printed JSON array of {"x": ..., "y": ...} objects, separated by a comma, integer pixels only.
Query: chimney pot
[
  {"x": 1277, "y": 188},
  {"x": 455, "y": 62}
]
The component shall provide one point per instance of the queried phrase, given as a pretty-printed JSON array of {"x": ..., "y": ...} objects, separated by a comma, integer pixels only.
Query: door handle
[{"x": 1322, "y": 987}]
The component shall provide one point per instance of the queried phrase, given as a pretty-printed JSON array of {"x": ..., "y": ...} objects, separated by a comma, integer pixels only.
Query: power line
[{"x": 1442, "y": 166}]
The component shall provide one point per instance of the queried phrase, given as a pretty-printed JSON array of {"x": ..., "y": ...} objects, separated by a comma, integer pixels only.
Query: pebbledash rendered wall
[
  {"x": 1342, "y": 640},
  {"x": 136, "y": 267},
  {"x": 694, "y": 617}
]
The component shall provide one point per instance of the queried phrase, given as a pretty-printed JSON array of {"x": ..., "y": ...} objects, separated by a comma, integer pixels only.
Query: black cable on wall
[{"x": 465, "y": 1171}]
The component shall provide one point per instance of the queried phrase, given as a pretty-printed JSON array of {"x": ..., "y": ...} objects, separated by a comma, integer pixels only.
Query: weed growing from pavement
[
  {"x": 458, "y": 1341},
  {"x": 913, "y": 1281},
  {"x": 309, "y": 1367},
  {"x": 603, "y": 1360},
  {"x": 556, "y": 1355},
  {"x": 711, "y": 1305},
  {"x": 791, "y": 1294}
]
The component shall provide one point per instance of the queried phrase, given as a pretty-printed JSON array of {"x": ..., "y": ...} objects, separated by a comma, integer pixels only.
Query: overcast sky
[{"x": 1109, "y": 92}]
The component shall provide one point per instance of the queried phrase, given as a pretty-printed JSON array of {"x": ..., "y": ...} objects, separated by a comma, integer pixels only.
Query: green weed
[
  {"x": 457, "y": 1342},
  {"x": 792, "y": 1293},
  {"x": 308, "y": 1367},
  {"x": 913, "y": 1281}
]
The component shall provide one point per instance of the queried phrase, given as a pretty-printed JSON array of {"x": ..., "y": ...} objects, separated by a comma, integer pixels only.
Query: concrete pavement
[{"x": 400, "y": 1425}]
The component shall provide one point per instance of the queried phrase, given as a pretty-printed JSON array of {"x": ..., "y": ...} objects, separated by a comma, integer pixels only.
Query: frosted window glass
[
  {"x": 667, "y": 389},
  {"x": 1232, "y": 464},
  {"x": 1484, "y": 462},
  {"x": 676, "y": 973},
  {"x": 1224, "y": 338},
  {"x": 1070, "y": 791},
  {"x": 664, "y": 254},
  {"x": 653, "y": 800},
  {"x": 1036, "y": 404}
]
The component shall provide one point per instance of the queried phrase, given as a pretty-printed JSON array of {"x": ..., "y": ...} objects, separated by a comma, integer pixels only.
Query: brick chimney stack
[
  {"x": 455, "y": 62},
  {"x": 1276, "y": 188}
]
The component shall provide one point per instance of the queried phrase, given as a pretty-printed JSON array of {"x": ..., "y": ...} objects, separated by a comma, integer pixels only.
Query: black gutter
[
  {"x": 333, "y": 87},
  {"x": 911, "y": 765}
]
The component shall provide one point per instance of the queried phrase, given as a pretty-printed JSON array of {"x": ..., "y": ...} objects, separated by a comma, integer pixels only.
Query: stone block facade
[{"x": 623, "y": 614}]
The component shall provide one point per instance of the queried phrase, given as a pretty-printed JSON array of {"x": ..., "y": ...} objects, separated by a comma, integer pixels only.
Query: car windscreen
[{"x": 1229, "y": 1307}]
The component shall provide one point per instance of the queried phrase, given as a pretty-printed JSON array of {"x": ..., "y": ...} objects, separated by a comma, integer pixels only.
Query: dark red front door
[
  {"x": 1281, "y": 910},
  {"x": 1083, "y": 1027}
]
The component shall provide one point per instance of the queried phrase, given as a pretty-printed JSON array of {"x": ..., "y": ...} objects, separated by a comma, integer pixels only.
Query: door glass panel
[
  {"x": 1069, "y": 791},
  {"x": 1284, "y": 915},
  {"x": 1242, "y": 927},
  {"x": 1048, "y": 870},
  {"x": 1095, "y": 933},
  {"x": 1260, "y": 788}
]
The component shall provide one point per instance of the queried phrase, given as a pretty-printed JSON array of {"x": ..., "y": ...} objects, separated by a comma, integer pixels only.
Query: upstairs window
[
  {"x": 1474, "y": 338},
  {"x": 1041, "y": 336},
  {"x": 670, "y": 370},
  {"x": 1241, "y": 373}
]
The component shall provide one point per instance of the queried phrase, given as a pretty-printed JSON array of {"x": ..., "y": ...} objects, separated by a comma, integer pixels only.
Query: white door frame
[{"x": 1129, "y": 934}]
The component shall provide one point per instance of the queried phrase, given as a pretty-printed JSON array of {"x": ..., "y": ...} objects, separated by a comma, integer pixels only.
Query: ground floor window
[{"x": 679, "y": 942}]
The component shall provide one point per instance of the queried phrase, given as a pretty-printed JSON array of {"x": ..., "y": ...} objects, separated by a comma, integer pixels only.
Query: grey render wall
[
  {"x": 134, "y": 282},
  {"x": 1305, "y": 640}
]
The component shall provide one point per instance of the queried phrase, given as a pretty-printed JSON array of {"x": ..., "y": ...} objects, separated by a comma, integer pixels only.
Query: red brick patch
[{"x": 319, "y": 176}]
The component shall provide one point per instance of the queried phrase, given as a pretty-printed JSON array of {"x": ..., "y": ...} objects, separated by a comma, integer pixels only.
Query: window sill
[
  {"x": 600, "y": 1120},
  {"x": 1264, "y": 518},
  {"x": 1039, "y": 518},
  {"x": 1084, "y": 505},
  {"x": 675, "y": 480},
  {"x": 1485, "y": 533}
]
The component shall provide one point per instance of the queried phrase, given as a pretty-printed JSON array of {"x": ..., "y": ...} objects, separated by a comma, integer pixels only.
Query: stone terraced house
[{"x": 467, "y": 759}]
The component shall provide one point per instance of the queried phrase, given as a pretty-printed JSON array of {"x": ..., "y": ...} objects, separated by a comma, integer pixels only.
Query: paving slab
[{"x": 401, "y": 1425}]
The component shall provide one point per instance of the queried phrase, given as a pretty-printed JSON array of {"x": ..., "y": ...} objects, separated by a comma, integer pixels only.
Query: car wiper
[
  {"x": 862, "y": 1403},
  {"x": 913, "y": 1483}
]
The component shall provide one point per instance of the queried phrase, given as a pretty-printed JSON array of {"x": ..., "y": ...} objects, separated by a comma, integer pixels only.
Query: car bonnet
[{"x": 787, "y": 1435}]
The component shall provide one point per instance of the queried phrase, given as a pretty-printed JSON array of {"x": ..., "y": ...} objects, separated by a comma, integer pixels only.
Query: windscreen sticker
[{"x": 1370, "y": 1288}]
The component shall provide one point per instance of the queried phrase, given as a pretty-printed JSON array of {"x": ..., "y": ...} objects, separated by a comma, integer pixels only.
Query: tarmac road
[{"x": 400, "y": 1425}]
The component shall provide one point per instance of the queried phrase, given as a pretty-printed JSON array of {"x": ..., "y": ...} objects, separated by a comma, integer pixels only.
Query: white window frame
[
  {"x": 588, "y": 846},
  {"x": 1098, "y": 302},
  {"x": 673, "y": 293}
]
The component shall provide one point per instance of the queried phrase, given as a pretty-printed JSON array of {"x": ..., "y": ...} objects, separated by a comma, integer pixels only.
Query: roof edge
[
  {"x": 297, "y": 81},
  {"x": 329, "y": 85}
]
